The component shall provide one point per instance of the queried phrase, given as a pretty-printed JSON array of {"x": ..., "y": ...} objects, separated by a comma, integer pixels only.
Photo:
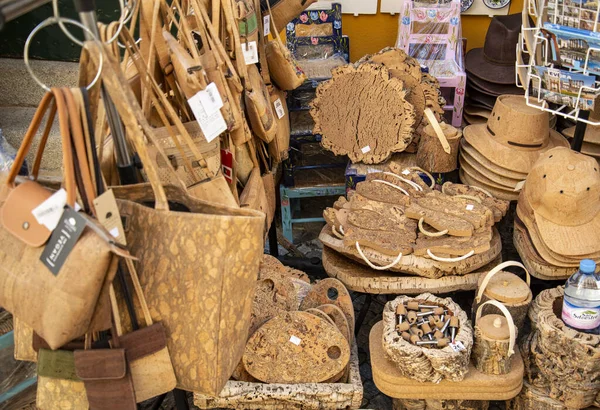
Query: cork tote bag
[
  {"x": 190, "y": 260},
  {"x": 284, "y": 11}
]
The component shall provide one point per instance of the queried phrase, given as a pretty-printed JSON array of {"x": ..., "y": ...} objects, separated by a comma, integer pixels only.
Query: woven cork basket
[{"x": 422, "y": 363}]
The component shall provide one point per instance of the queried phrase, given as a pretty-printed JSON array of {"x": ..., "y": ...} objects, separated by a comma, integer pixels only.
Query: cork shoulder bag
[
  {"x": 64, "y": 304},
  {"x": 191, "y": 257}
]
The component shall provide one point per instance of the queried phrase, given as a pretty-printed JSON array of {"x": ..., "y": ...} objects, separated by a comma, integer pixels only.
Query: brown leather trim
[{"x": 101, "y": 364}]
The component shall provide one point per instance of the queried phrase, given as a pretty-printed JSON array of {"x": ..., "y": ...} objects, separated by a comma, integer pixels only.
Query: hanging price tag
[
  {"x": 267, "y": 24},
  {"x": 250, "y": 52},
  {"x": 48, "y": 213},
  {"x": 68, "y": 230},
  {"x": 210, "y": 99},
  {"x": 108, "y": 215},
  {"x": 279, "y": 108},
  {"x": 212, "y": 125}
]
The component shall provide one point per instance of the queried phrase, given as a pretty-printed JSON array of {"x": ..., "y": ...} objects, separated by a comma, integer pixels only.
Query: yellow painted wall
[{"x": 370, "y": 33}]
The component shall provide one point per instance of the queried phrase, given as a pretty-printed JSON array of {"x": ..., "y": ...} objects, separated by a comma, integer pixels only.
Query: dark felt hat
[
  {"x": 495, "y": 62},
  {"x": 477, "y": 96},
  {"x": 493, "y": 88}
]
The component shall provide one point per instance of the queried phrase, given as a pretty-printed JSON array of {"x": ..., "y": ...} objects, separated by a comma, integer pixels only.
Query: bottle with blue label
[{"x": 581, "y": 305}]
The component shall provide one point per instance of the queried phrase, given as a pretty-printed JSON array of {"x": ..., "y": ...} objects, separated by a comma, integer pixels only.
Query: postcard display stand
[
  {"x": 564, "y": 58},
  {"x": 431, "y": 32}
]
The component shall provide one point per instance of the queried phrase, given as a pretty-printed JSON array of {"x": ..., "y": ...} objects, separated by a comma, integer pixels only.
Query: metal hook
[
  {"x": 122, "y": 19},
  {"x": 57, "y": 20}
]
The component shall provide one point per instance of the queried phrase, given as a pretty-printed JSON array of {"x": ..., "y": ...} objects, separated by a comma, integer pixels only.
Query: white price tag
[
  {"x": 250, "y": 52},
  {"x": 48, "y": 213},
  {"x": 212, "y": 125},
  {"x": 365, "y": 149},
  {"x": 267, "y": 24},
  {"x": 406, "y": 172},
  {"x": 470, "y": 207},
  {"x": 279, "y": 108},
  {"x": 457, "y": 346},
  {"x": 210, "y": 99},
  {"x": 295, "y": 340}
]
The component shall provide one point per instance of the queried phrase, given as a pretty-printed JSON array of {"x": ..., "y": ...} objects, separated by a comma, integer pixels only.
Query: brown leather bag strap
[
  {"x": 40, "y": 152},
  {"x": 80, "y": 150},
  {"x": 68, "y": 165},
  {"x": 38, "y": 117}
]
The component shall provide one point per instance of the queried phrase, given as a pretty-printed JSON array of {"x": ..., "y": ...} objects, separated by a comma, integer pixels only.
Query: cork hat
[
  {"x": 563, "y": 189},
  {"x": 515, "y": 134}
]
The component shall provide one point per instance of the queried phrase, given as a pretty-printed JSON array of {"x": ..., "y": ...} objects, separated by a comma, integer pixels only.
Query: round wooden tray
[
  {"x": 475, "y": 386},
  {"x": 360, "y": 278}
]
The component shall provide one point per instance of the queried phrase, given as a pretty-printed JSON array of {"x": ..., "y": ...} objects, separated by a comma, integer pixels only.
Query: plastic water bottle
[{"x": 581, "y": 304}]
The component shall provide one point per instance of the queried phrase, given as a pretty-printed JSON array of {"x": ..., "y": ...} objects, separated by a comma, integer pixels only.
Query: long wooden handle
[{"x": 438, "y": 130}]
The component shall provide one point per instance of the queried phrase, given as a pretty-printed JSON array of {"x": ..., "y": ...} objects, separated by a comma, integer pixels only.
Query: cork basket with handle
[
  {"x": 492, "y": 352},
  {"x": 515, "y": 299}
]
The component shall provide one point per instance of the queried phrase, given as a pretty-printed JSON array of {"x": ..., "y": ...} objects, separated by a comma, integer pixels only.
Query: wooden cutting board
[
  {"x": 331, "y": 291},
  {"x": 296, "y": 347}
]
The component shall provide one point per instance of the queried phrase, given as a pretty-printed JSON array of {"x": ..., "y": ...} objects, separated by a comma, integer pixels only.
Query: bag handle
[
  {"x": 54, "y": 96},
  {"x": 262, "y": 55},
  {"x": 239, "y": 55},
  {"x": 160, "y": 101},
  {"x": 272, "y": 20},
  {"x": 511, "y": 324},
  {"x": 497, "y": 269},
  {"x": 141, "y": 298}
]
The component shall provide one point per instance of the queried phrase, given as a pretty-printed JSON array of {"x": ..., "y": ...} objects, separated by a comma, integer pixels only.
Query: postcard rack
[{"x": 537, "y": 45}]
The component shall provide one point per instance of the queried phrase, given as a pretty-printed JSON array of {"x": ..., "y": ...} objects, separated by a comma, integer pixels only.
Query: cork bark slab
[
  {"x": 423, "y": 363},
  {"x": 476, "y": 214},
  {"x": 475, "y": 386},
  {"x": 382, "y": 193},
  {"x": 296, "y": 347},
  {"x": 498, "y": 207},
  {"x": 362, "y": 112},
  {"x": 392, "y": 211},
  {"x": 339, "y": 319},
  {"x": 533, "y": 398},
  {"x": 454, "y": 245},
  {"x": 331, "y": 291},
  {"x": 455, "y": 225},
  {"x": 413, "y": 264},
  {"x": 363, "y": 279},
  {"x": 305, "y": 396}
]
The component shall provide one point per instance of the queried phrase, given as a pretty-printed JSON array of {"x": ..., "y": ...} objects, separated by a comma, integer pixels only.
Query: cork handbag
[
  {"x": 70, "y": 296},
  {"x": 284, "y": 68},
  {"x": 191, "y": 257},
  {"x": 146, "y": 350},
  {"x": 58, "y": 386}
]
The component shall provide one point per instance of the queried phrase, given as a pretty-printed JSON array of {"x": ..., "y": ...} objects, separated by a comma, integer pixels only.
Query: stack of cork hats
[
  {"x": 498, "y": 155},
  {"x": 558, "y": 213}
]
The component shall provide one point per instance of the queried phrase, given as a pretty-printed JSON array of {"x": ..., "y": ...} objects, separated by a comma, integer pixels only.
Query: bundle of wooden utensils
[{"x": 426, "y": 324}]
